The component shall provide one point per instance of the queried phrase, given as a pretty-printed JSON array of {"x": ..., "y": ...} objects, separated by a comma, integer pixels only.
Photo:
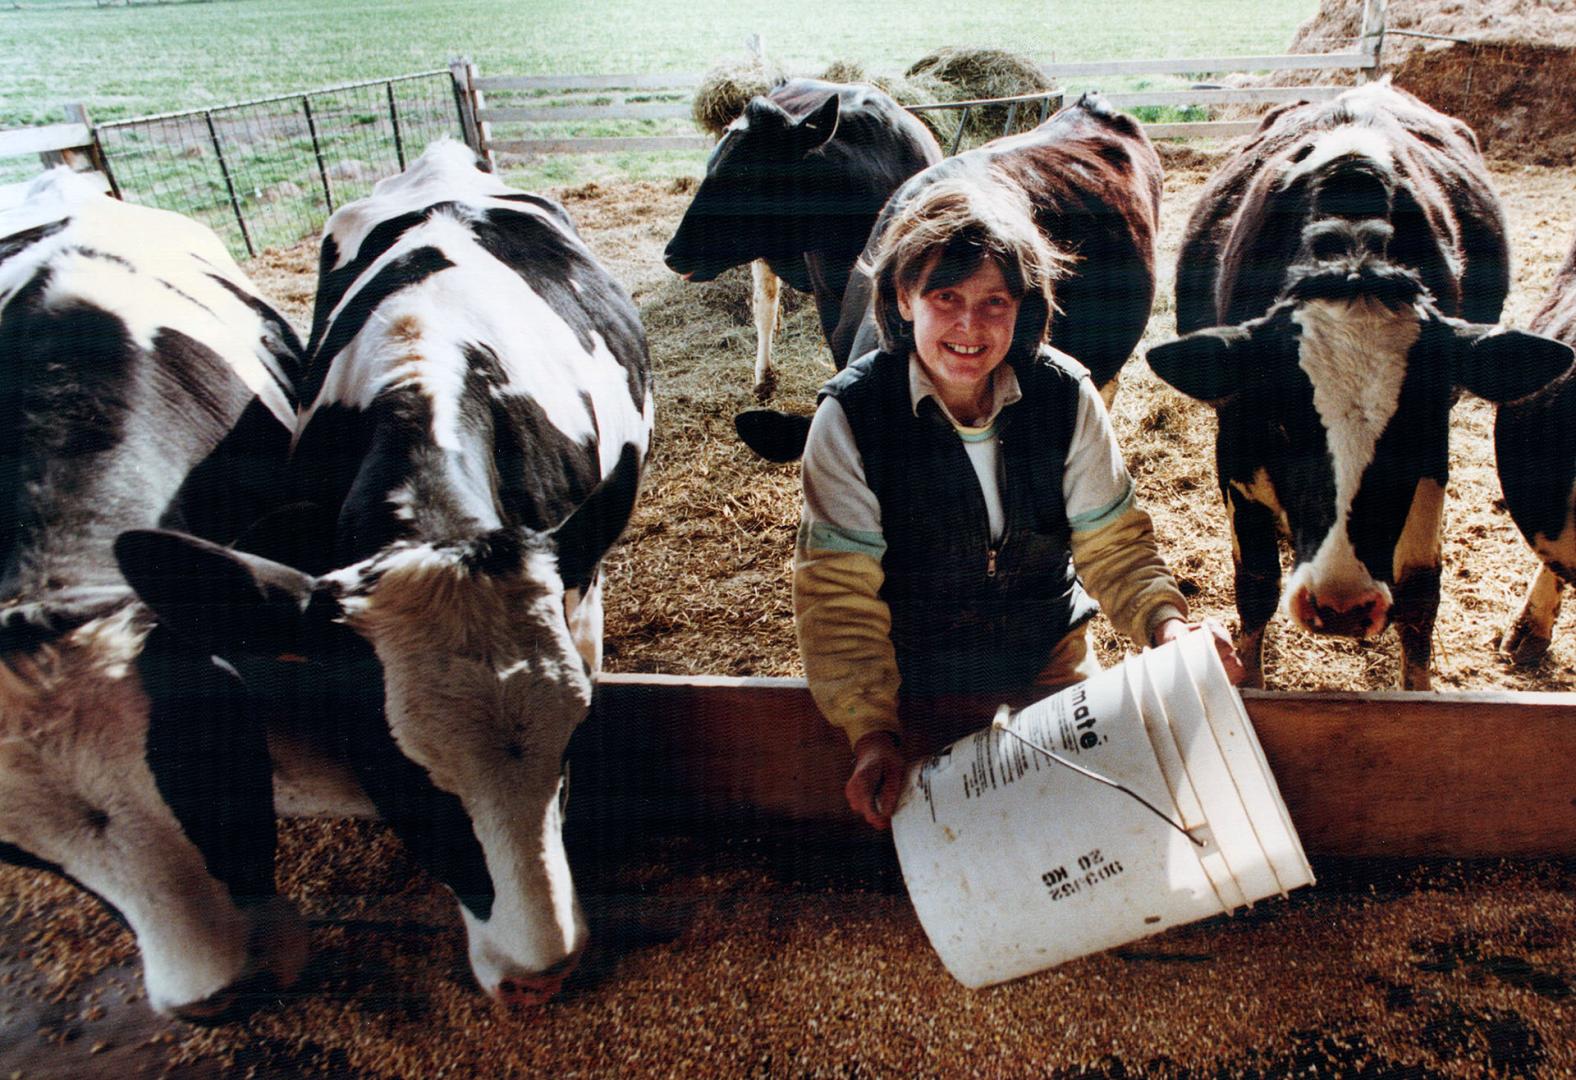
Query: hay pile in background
[
  {"x": 949, "y": 74},
  {"x": 726, "y": 89},
  {"x": 976, "y": 74},
  {"x": 1508, "y": 79}
]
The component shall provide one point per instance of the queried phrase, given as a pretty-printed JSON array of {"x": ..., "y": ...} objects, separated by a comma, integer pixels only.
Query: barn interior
[{"x": 753, "y": 949}]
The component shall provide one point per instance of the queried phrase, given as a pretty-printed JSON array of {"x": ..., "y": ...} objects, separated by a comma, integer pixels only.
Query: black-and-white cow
[
  {"x": 1348, "y": 261},
  {"x": 1535, "y": 444},
  {"x": 143, "y": 382},
  {"x": 481, "y": 407},
  {"x": 1094, "y": 180},
  {"x": 797, "y": 181}
]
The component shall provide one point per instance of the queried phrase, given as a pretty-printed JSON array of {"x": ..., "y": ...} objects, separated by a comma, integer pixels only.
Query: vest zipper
[{"x": 990, "y": 562}]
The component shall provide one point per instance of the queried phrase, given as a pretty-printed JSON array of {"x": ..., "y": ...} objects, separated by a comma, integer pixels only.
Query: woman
[{"x": 953, "y": 480}]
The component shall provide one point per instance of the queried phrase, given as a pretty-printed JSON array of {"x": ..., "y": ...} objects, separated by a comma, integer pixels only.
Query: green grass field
[{"x": 134, "y": 60}]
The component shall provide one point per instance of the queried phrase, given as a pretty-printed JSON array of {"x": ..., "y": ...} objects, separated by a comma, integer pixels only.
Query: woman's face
[{"x": 962, "y": 332}]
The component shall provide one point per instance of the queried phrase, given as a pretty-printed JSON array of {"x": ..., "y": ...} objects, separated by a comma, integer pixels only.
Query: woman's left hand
[{"x": 1172, "y": 629}]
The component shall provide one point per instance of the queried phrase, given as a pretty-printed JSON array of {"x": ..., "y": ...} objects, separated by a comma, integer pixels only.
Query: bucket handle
[{"x": 1004, "y": 714}]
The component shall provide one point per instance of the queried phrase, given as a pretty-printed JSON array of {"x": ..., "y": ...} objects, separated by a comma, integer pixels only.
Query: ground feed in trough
[{"x": 798, "y": 956}]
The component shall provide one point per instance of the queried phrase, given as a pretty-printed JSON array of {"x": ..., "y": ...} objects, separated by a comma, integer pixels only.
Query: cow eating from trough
[
  {"x": 1336, "y": 286},
  {"x": 143, "y": 382},
  {"x": 1094, "y": 181},
  {"x": 481, "y": 407},
  {"x": 1535, "y": 447},
  {"x": 796, "y": 182}
]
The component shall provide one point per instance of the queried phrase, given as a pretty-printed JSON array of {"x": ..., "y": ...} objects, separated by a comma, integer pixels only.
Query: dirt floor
[{"x": 800, "y": 955}]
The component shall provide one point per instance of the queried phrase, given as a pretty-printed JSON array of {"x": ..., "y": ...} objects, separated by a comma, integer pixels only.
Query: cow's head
[
  {"x": 453, "y": 675},
  {"x": 1334, "y": 410},
  {"x": 130, "y": 765},
  {"x": 763, "y": 191}
]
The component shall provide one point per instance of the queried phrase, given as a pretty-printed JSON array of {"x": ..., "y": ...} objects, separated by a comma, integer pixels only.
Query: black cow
[
  {"x": 143, "y": 382},
  {"x": 797, "y": 182},
  {"x": 1535, "y": 443},
  {"x": 481, "y": 407},
  {"x": 1331, "y": 258},
  {"x": 1094, "y": 181}
]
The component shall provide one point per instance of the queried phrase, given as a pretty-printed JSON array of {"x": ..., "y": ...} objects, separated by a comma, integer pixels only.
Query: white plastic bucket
[{"x": 1015, "y": 862}]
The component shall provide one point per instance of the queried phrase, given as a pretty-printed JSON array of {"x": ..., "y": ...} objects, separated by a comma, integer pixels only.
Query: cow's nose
[
  {"x": 534, "y": 991},
  {"x": 1364, "y": 615}
]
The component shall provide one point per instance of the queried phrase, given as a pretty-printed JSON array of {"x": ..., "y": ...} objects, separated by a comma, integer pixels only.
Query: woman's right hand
[{"x": 878, "y": 774}]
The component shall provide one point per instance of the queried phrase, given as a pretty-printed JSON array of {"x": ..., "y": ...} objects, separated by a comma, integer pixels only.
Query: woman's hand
[
  {"x": 878, "y": 774},
  {"x": 1172, "y": 629}
]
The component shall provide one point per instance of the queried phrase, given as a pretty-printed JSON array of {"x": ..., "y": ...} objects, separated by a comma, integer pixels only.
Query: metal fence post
[
  {"x": 322, "y": 171},
  {"x": 963, "y": 122},
  {"x": 235, "y": 204},
  {"x": 399, "y": 146}
]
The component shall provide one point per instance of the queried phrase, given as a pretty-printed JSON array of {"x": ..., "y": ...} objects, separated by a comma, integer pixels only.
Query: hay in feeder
[
  {"x": 972, "y": 74},
  {"x": 906, "y": 91},
  {"x": 727, "y": 89}
]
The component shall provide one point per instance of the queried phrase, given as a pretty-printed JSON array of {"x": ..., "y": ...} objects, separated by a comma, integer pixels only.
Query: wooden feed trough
[{"x": 1463, "y": 775}]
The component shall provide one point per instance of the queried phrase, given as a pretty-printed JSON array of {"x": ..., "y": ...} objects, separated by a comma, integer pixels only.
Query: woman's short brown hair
[{"x": 959, "y": 222}]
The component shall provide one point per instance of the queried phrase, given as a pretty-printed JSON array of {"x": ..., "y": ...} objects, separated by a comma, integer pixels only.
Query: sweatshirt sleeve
[
  {"x": 1113, "y": 539},
  {"x": 843, "y": 625}
]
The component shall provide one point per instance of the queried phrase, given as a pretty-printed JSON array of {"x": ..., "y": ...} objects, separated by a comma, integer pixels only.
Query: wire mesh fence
[{"x": 266, "y": 173}]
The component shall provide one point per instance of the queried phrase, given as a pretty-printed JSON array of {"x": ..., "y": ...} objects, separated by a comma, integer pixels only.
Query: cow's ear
[
  {"x": 585, "y": 535},
  {"x": 816, "y": 129},
  {"x": 1507, "y": 365},
  {"x": 228, "y": 602},
  {"x": 763, "y": 113},
  {"x": 1206, "y": 364}
]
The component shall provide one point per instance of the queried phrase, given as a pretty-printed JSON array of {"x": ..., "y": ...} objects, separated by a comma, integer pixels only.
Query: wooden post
[
  {"x": 80, "y": 158},
  {"x": 460, "y": 70},
  {"x": 1372, "y": 39},
  {"x": 1467, "y": 775},
  {"x": 478, "y": 109}
]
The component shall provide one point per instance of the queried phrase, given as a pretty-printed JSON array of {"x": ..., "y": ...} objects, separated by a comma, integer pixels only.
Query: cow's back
[
  {"x": 1246, "y": 227},
  {"x": 145, "y": 383},
  {"x": 472, "y": 365}
]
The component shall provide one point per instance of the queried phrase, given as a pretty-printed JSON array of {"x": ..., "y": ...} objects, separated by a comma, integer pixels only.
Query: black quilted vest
[{"x": 969, "y": 616}]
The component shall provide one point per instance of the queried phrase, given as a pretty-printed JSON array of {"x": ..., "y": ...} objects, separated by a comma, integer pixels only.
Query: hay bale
[
  {"x": 971, "y": 74},
  {"x": 905, "y": 90},
  {"x": 727, "y": 88}
]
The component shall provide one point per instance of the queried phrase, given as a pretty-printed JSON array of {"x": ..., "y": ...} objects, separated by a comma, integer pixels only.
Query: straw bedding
[{"x": 776, "y": 957}]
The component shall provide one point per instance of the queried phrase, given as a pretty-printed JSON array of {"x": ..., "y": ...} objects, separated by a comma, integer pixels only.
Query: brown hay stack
[
  {"x": 973, "y": 74},
  {"x": 1508, "y": 77},
  {"x": 905, "y": 91},
  {"x": 727, "y": 88}
]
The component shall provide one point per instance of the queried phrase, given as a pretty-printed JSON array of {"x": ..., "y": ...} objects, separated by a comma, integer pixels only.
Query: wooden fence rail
[
  {"x": 582, "y": 98},
  {"x": 73, "y": 143}
]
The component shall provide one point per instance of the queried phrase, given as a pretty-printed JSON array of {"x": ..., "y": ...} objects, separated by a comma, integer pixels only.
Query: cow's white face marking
[
  {"x": 76, "y": 791},
  {"x": 1355, "y": 354},
  {"x": 1351, "y": 140},
  {"x": 132, "y": 235},
  {"x": 484, "y": 685}
]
